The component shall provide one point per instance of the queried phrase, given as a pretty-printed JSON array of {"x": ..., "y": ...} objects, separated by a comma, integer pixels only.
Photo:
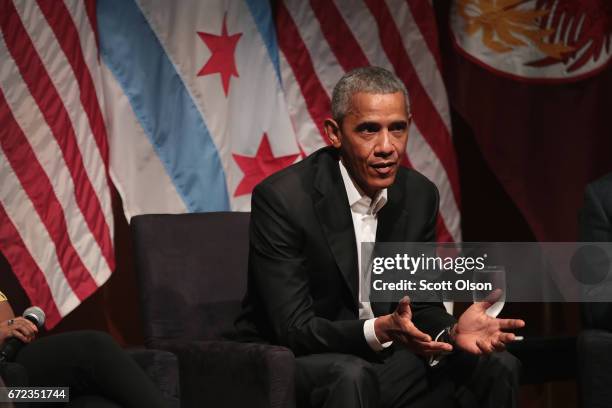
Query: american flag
[
  {"x": 56, "y": 225},
  {"x": 81, "y": 102}
]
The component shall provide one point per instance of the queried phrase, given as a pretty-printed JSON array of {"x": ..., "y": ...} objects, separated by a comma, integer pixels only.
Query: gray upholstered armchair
[{"x": 192, "y": 271}]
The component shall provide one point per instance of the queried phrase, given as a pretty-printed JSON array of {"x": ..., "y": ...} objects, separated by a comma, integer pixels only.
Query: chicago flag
[{"x": 198, "y": 115}]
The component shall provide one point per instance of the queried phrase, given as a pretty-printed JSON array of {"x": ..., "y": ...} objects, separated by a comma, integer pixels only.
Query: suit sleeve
[
  {"x": 278, "y": 270},
  {"x": 595, "y": 226},
  {"x": 594, "y": 222},
  {"x": 431, "y": 318}
]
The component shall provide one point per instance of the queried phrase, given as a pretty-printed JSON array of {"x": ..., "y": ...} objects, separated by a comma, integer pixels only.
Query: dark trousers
[
  {"x": 401, "y": 379},
  {"x": 98, "y": 372}
]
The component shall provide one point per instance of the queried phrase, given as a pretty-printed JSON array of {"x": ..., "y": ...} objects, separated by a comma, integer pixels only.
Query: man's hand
[
  {"x": 478, "y": 333},
  {"x": 18, "y": 327},
  {"x": 398, "y": 327}
]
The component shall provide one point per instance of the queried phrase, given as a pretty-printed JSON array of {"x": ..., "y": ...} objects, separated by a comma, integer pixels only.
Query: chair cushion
[{"x": 163, "y": 368}]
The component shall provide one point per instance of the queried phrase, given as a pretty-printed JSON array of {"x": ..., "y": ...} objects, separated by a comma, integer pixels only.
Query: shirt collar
[{"x": 358, "y": 200}]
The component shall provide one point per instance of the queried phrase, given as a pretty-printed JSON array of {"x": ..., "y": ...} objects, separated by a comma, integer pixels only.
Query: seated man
[{"x": 307, "y": 224}]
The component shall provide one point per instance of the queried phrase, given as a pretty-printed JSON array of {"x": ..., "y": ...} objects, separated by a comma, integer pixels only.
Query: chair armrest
[
  {"x": 227, "y": 373},
  {"x": 2, "y": 385},
  {"x": 594, "y": 362},
  {"x": 12, "y": 375},
  {"x": 162, "y": 367},
  {"x": 539, "y": 356}
]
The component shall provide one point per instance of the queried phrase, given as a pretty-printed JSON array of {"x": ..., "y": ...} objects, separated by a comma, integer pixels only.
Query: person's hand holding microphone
[{"x": 18, "y": 327}]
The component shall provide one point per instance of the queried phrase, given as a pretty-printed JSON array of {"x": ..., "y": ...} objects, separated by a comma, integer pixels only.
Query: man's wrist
[
  {"x": 380, "y": 325},
  {"x": 371, "y": 338},
  {"x": 452, "y": 332},
  {"x": 448, "y": 335}
]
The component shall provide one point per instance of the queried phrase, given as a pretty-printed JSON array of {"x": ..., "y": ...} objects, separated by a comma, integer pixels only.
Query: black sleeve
[
  {"x": 594, "y": 222},
  {"x": 595, "y": 226}
]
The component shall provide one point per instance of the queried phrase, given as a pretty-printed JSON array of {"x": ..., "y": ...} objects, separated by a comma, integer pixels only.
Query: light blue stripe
[
  {"x": 162, "y": 104},
  {"x": 260, "y": 9}
]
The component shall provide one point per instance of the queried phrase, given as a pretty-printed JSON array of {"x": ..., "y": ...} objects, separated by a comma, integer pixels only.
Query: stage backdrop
[
  {"x": 533, "y": 80},
  {"x": 162, "y": 111},
  {"x": 183, "y": 107}
]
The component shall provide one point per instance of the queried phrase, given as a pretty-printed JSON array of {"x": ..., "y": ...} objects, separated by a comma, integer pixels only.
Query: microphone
[{"x": 12, "y": 345}]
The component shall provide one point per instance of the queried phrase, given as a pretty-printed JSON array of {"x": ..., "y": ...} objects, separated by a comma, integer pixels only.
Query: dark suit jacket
[
  {"x": 596, "y": 226},
  {"x": 302, "y": 283}
]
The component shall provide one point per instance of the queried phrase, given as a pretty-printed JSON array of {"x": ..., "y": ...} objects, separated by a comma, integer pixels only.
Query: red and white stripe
[
  {"x": 320, "y": 40},
  {"x": 56, "y": 225}
]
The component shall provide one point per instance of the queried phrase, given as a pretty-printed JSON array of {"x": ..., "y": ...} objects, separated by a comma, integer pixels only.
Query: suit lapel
[
  {"x": 392, "y": 218},
  {"x": 333, "y": 212}
]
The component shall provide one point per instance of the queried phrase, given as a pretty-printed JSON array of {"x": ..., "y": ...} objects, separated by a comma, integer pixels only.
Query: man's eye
[
  {"x": 398, "y": 127},
  {"x": 368, "y": 128}
]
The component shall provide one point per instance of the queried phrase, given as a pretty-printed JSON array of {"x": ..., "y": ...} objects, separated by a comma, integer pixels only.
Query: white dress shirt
[{"x": 364, "y": 211}]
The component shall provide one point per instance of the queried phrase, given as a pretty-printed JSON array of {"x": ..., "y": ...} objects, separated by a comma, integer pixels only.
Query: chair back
[{"x": 192, "y": 271}]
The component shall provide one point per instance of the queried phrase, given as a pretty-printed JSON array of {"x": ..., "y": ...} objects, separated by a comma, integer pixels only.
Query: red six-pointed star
[
  {"x": 222, "y": 60},
  {"x": 257, "y": 168}
]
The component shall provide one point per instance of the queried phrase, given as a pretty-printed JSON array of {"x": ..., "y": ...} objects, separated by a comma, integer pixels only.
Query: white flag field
[{"x": 183, "y": 107}]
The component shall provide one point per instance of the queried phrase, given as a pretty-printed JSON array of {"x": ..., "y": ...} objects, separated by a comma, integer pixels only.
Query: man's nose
[{"x": 384, "y": 147}]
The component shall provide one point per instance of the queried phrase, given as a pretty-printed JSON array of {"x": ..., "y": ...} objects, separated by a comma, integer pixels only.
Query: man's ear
[{"x": 332, "y": 130}]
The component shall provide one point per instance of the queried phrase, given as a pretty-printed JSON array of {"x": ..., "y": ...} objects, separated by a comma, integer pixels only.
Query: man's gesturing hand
[
  {"x": 398, "y": 327},
  {"x": 478, "y": 333}
]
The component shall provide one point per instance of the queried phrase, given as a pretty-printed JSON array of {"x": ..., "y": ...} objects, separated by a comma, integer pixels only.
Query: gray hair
[{"x": 372, "y": 80}]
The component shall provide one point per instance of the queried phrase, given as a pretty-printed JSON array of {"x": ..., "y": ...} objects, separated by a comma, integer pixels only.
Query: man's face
[{"x": 372, "y": 139}]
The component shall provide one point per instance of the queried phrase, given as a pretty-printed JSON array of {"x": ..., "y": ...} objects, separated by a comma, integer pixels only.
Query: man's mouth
[{"x": 383, "y": 168}]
